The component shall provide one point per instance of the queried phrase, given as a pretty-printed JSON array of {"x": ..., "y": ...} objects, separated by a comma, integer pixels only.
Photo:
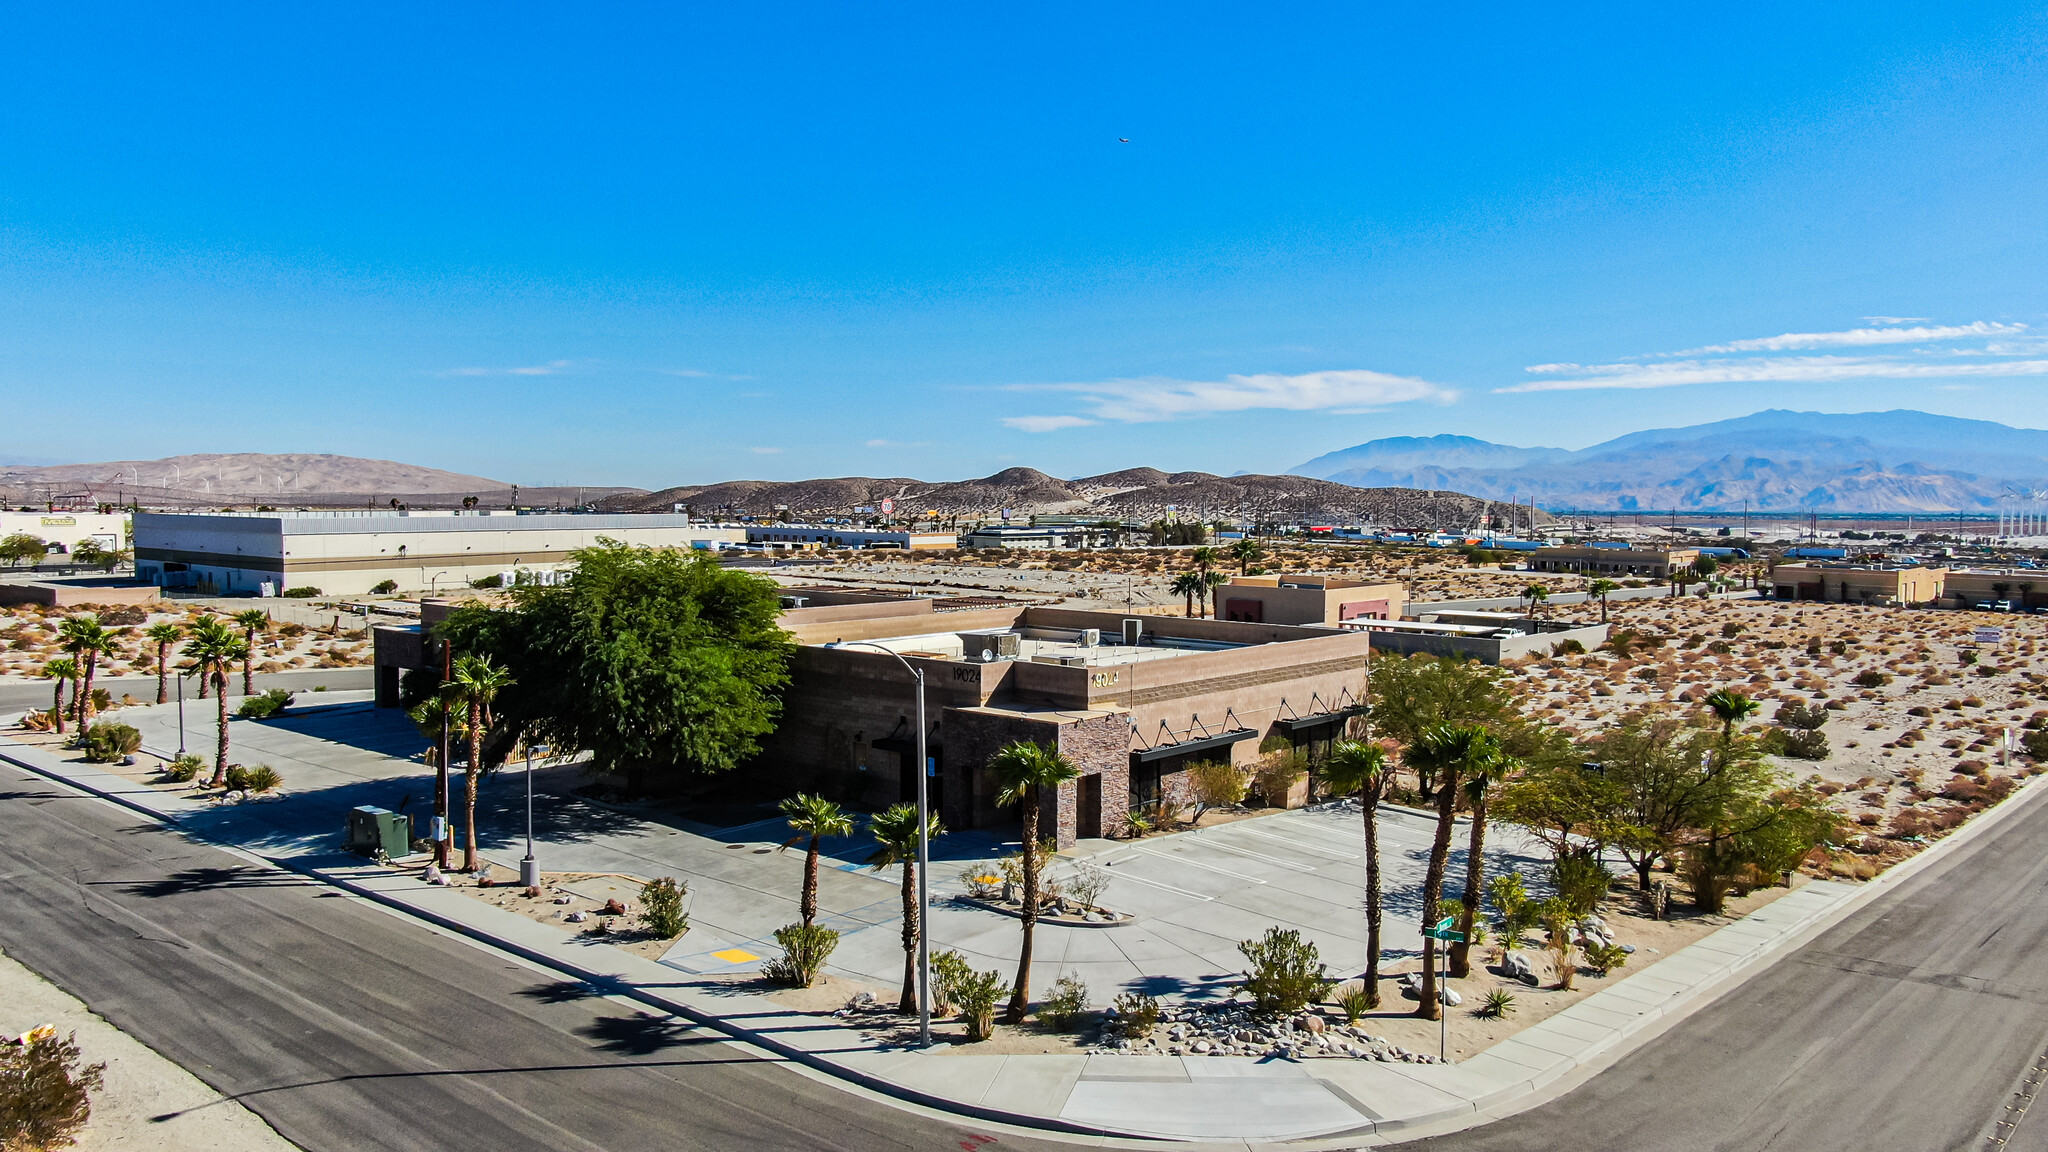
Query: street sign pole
[{"x": 1446, "y": 931}]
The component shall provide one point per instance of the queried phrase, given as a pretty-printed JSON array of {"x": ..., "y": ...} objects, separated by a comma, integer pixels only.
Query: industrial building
[
  {"x": 1488, "y": 637},
  {"x": 349, "y": 553},
  {"x": 1876, "y": 584},
  {"x": 67, "y": 530},
  {"x": 1307, "y": 600},
  {"x": 1616, "y": 559},
  {"x": 776, "y": 537}
]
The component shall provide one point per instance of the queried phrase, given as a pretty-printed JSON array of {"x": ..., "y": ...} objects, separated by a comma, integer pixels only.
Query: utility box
[{"x": 371, "y": 828}]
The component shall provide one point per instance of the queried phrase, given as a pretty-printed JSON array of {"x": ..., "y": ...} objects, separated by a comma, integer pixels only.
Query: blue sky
[{"x": 652, "y": 245}]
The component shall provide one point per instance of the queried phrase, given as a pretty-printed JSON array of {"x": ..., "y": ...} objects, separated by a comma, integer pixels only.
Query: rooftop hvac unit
[
  {"x": 1134, "y": 632},
  {"x": 1008, "y": 644},
  {"x": 1091, "y": 637}
]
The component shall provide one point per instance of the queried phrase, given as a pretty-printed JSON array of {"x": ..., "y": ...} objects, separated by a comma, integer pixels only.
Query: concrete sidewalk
[{"x": 1201, "y": 1098}]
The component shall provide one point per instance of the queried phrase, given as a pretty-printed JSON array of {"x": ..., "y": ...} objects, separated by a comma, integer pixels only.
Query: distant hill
[
  {"x": 281, "y": 479},
  {"x": 1900, "y": 461},
  {"x": 1133, "y": 493}
]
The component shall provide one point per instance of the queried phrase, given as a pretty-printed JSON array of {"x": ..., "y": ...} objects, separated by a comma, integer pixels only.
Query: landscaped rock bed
[{"x": 1237, "y": 1029}]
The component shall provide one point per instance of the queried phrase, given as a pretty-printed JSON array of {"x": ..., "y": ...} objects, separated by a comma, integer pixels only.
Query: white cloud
[
  {"x": 1045, "y": 423},
  {"x": 1895, "y": 319},
  {"x": 1774, "y": 369},
  {"x": 878, "y": 443},
  {"x": 691, "y": 372},
  {"x": 551, "y": 368},
  {"x": 1153, "y": 399},
  {"x": 765, "y": 451},
  {"x": 1859, "y": 338}
]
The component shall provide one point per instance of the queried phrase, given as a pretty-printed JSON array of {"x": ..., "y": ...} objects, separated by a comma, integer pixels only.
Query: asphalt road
[
  {"x": 1907, "y": 1026},
  {"x": 346, "y": 1027}
]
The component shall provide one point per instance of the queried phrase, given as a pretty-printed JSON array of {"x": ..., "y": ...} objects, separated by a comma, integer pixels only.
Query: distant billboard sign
[
  {"x": 888, "y": 507},
  {"x": 1990, "y": 635}
]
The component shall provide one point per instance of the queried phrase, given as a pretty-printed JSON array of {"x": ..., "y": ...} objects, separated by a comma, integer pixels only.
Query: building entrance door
[{"x": 1088, "y": 806}]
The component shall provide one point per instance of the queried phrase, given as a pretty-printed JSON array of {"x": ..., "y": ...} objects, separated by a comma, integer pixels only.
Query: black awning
[
  {"x": 1195, "y": 744},
  {"x": 1322, "y": 718}
]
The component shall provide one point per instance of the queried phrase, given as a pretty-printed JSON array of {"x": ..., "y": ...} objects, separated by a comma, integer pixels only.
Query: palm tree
[
  {"x": 814, "y": 817},
  {"x": 1535, "y": 594},
  {"x": 1205, "y": 558},
  {"x": 1245, "y": 552},
  {"x": 1445, "y": 751},
  {"x": 252, "y": 621},
  {"x": 63, "y": 670},
  {"x": 1360, "y": 768},
  {"x": 1731, "y": 708},
  {"x": 1189, "y": 585},
  {"x": 163, "y": 634},
  {"x": 85, "y": 638},
  {"x": 1600, "y": 588},
  {"x": 1023, "y": 771},
  {"x": 214, "y": 649},
  {"x": 1480, "y": 778},
  {"x": 1210, "y": 582},
  {"x": 475, "y": 687},
  {"x": 895, "y": 833}
]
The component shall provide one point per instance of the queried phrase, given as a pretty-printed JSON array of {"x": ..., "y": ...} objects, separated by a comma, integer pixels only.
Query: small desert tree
[
  {"x": 163, "y": 634},
  {"x": 1023, "y": 770},
  {"x": 1361, "y": 770},
  {"x": 813, "y": 818},
  {"x": 895, "y": 830}
]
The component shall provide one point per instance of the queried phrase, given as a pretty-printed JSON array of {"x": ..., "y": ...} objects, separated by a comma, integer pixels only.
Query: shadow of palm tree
[
  {"x": 641, "y": 1034},
  {"x": 560, "y": 992},
  {"x": 209, "y": 879}
]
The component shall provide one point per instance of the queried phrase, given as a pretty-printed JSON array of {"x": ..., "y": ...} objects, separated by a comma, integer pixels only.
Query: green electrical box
[{"x": 371, "y": 828}]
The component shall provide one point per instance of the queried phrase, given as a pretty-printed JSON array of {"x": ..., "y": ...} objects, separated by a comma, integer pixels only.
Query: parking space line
[
  {"x": 1306, "y": 847},
  {"x": 1229, "y": 847},
  {"x": 1199, "y": 864}
]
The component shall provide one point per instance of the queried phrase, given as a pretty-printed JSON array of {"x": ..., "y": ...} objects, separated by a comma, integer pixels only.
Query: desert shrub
[
  {"x": 978, "y": 993},
  {"x": 661, "y": 907},
  {"x": 804, "y": 949},
  {"x": 263, "y": 707},
  {"x": 261, "y": 778},
  {"x": 39, "y": 720},
  {"x": 1216, "y": 783},
  {"x": 1067, "y": 1004},
  {"x": 1139, "y": 1012},
  {"x": 303, "y": 592},
  {"x": 983, "y": 880},
  {"x": 1604, "y": 958},
  {"x": 1557, "y": 921},
  {"x": 2036, "y": 744},
  {"x": 183, "y": 769},
  {"x": 110, "y": 743},
  {"x": 1278, "y": 773},
  {"x": 1355, "y": 1001},
  {"x": 1498, "y": 1003},
  {"x": 494, "y": 580},
  {"x": 1871, "y": 678},
  {"x": 1806, "y": 745},
  {"x": 45, "y": 1092},
  {"x": 949, "y": 969},
  {"x": 383, "y": 587},
  {"x": 1287, "y": 973},
  {"x": 1580, "y": 881},
  {"x": 1568, "y": 648},
  {"x": 1085, "y": 885}
]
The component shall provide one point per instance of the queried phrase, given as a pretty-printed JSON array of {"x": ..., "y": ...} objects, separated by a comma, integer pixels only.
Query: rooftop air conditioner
[{"x": 1091, "y": 637}]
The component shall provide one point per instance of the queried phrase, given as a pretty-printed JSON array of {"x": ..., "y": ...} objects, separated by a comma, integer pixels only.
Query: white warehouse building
[{"x": 350, "y": 553}]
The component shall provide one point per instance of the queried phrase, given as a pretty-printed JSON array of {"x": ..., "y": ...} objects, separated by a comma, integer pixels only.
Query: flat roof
[{"x": 362, "y": 523}]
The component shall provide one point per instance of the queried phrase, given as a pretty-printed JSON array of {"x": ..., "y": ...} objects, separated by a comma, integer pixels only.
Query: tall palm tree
[
  {"x": 214, "y": 650},
  {"x": 895, "y": 832},
  {"x": 163, "y": 634},
  {"x": 1536, "y": 594},
  {"x": 1600, "y": 588},
  {"x": 814, "y": 817},
  {"x": 1731, "y": 708},
  {"x": 1210, "y": 582},
  {"x": 1359, "y": 768},
  {"x": 64, "y": 670},
  {"x": 475, "y": 687},
  {"x": 1205, "y": 558},
  {"x": 85, "y": 638},
  {"x": 1189, "y": 585},
  {"x": 1445, "y": 751},
  {"x": 252, "y": 621},
  {"x": 1023, "y": 771},
  {"x": 1245, "y": 552},
  {"x": 1480, "y": 777}
]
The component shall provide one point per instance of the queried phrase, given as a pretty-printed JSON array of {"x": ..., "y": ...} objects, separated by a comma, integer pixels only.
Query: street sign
[
  {"x": 888, "y": 506},
  {"x": 1990, "y": 636},
  {"x": 1446, "y": 930}
]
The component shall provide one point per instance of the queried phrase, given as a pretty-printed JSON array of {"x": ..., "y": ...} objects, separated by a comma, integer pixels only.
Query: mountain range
[
  {"x": 1898, "y": 461},
  {"x": 291, "y": 479}
]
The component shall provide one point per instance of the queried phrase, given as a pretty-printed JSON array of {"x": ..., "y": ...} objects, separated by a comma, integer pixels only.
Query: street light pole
[
  {"x": 181, "y": 713},
  {"x": 924, "y": 847},
  {"x": 529, "y": 868}
]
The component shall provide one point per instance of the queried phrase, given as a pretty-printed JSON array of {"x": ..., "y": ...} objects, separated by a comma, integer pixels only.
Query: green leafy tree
[
  {"x": 477, "y": 683},
  {"x": 22, "y": 546},
  {"x": 813, "y": 818},
  {"x": 1600, "y": 588},
  {"x": 657, "y": 661},
  {"x": 1023, "y": 771},
  {"x": 163, "y": 634},
  {"x": 1359, "y": 769},
  {"x": 86, "y": 639},
  {"x": 250, "y": 621},
  {"x": 213, "y": 650},
  {"x": 895, "y": 830},
  {"x": 64, "y": 670},
  {"x": 1447, "y": 752}
]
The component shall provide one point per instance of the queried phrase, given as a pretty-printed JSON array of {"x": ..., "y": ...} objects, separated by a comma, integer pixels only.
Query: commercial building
[
  {"x": 1018, "y": 536},
  {"x": 1617, "y": 559},
  {"x": 67, "y": 530},
  {"x": 1132, "y": 701},
  {"x": 349, "y": 553},
  {"x": 1307, "y": 600},
  {"x": 776, "y": 537},
  {"x": 1488, "y": 637},
  {"x": 1876, "y": 584},
  {"x": 2023, "y": 589}
]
